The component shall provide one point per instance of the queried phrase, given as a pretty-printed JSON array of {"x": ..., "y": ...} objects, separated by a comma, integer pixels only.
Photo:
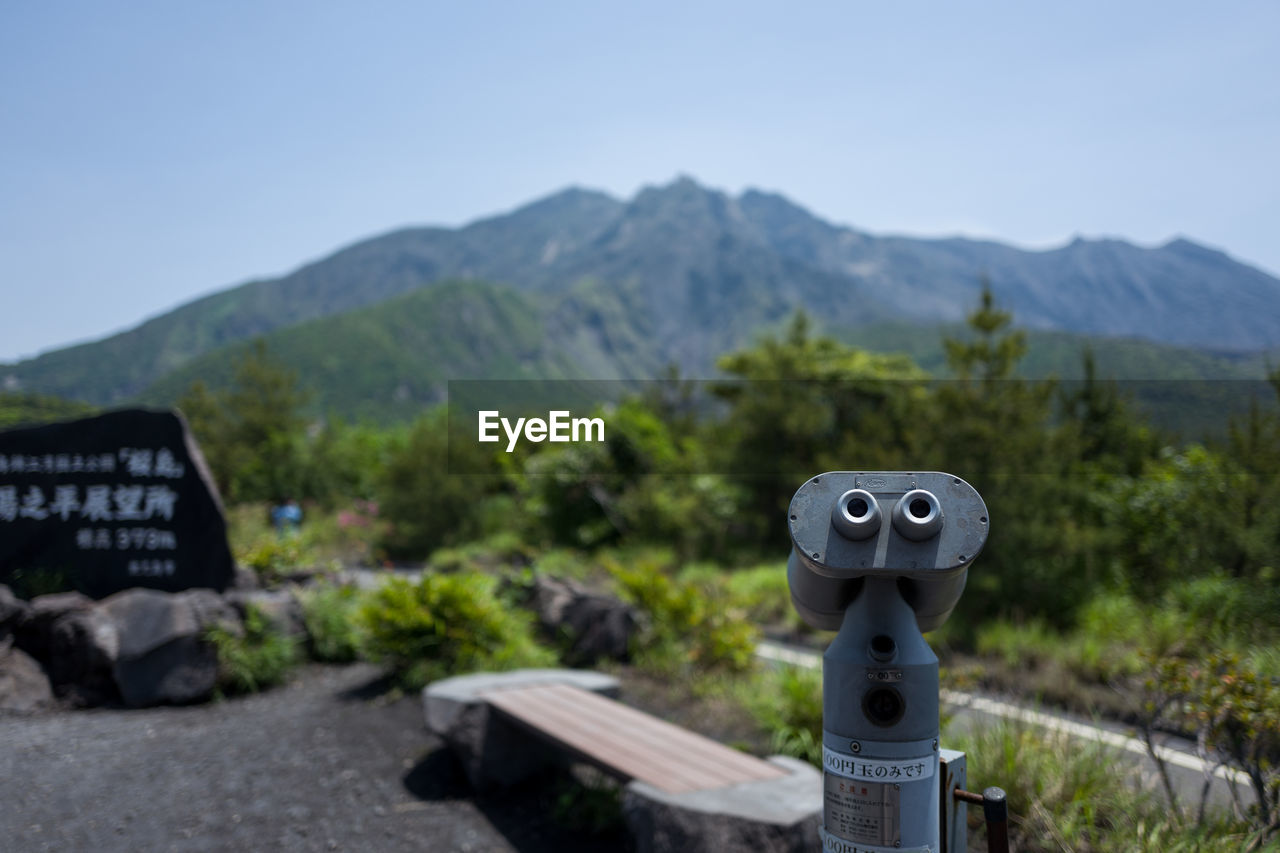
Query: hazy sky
[{"x": 152, "y": 152}]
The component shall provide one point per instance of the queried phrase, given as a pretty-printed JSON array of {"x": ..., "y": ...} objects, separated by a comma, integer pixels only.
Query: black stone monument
[{"x": 110, "y": 502}]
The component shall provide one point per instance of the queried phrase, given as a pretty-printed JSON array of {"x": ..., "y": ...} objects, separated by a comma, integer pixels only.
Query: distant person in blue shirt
[{"x": 287, "y": 518}]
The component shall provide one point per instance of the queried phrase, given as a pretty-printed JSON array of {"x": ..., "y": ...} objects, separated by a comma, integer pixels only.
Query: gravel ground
[{"x": 327, "y": 762}]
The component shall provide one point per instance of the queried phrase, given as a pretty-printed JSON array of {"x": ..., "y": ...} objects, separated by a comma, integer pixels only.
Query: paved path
[{"x": 319, "y": 764}]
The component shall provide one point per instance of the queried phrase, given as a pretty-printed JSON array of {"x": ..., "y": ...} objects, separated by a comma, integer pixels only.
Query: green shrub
[
  {"x": 687, "y": 622},
  {"x": 787, "y": 703},
  {"x": 763, "y": 592},
  {"x": 423, "y": 506},
  {"x": 1229, "y": 609},
  {"x": 273, "y": 558},
  {"x": 1066, "y": 794},
  {"x": 493, "y": 553},
  {"x": 565, "y": 563},
  {"x": 1265, "y": 660},
  {"x": 1025, "y": 644},
  {"x": 327, "y": 538},
  {"x": 30, "y": 582},
  {"x": 330, "y": 615},
  {"x": 445, "y": 625},
  {"x": 257, "y": 658},
  {"x": 1231, "y": 709},
  {"x": 591, "y": 805}
]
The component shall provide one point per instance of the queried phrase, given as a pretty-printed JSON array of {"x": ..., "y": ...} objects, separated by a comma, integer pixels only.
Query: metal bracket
[{"x": 952, "y": 774}]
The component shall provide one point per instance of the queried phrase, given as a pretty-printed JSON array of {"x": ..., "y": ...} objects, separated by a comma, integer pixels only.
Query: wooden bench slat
[
  {"x": 628, "y": 742},
  {"x": 657, "y": 747},
  {"x": 598, "y": 740},
  {"x": 674, "y": 740},
  {"x": 683, "y": 740},
  {"x": 630, "y": 757}
]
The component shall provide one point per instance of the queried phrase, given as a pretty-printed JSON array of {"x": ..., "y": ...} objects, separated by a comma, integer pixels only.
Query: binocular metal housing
[{"x": 924, "y": 529}]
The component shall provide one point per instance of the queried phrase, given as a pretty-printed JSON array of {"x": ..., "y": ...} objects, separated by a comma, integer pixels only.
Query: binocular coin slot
[
  {"x": 884, "y": 706},
  {"x": 883, "y": 648}
]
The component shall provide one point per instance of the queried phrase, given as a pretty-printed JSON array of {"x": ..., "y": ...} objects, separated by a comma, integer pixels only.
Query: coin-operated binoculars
[{"x": 881, "y": 557}]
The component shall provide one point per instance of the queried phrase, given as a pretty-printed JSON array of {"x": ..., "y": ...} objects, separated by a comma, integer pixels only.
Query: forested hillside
[{"x": 680, "y": 273}]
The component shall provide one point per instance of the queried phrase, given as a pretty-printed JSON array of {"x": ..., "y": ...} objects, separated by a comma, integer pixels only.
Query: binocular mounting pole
[{"x": 881, "y": 585}]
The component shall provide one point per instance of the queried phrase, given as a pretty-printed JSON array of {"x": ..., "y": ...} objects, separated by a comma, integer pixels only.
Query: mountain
[
  {"x": 384, "y": 363},
  {"x": 680, "y": 273},
  {"x": 388, "y": 361},
  {"x": 1180, "y": 293}
]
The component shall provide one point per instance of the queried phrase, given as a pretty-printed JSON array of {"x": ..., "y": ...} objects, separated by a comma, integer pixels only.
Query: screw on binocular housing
[{"x": 881, "y": 557}]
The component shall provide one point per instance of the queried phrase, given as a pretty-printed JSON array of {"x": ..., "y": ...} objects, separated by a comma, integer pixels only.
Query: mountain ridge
[{"x": 707, "y": 270}]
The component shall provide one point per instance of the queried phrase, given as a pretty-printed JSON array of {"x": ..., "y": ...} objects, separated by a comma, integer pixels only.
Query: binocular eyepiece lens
[
  {"x": 917, "y": 515},
  {"x": 856, "y": 514}
]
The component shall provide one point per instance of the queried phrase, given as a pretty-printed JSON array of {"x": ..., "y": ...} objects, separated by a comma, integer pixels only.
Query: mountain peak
[
  {"x": 1189, "y": 248},
  {"x": 684, "y": 206},
  {"x": 570, "y": 200}
]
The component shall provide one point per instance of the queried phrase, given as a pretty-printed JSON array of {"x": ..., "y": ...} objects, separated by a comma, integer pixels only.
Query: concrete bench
[{"x": 683, "y": 791}]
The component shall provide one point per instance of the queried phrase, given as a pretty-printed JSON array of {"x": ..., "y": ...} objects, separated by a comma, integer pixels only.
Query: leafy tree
[
  {"x": 1253, "y": 507},
  {"x": 252, "y": 431},
  {"x": 1107, "y": 433},
  {"x": 1205, "y": 510},
  {"x": 801, "y": 404},
  {"x": 425, "y": 504},
  {"x": 645, "y": 482},
  {"x": 26, "y": 409},
  {"x": 1235, "y": 715},
  {"x": 996, "y": 431}
]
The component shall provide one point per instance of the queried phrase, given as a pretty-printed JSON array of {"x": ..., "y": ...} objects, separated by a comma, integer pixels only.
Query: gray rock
[
  {"x": 209, "y": 609},
  {"x": 280, "y": 606},
  {"x": 24, "y": 688},
  {"x": 163, "y": 656},
  {"x": 83, "y": 645},
  {"x": 493, "y": 752},
  {"x": 594, "y": 626},
  {"x": 245, "y": 578},
  {"x": 57, "y": 603},
  {"x": 770, "y": 816},
  {"x": 13, "y": 611},
  {"x": 34, "y": 633},
  {"x": 74, "y": 642}
]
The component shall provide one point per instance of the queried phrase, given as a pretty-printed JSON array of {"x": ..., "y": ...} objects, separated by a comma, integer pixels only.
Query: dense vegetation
[
  {"x": 1130, "y": 571},
  {"x": 19, "y": 409},
  {"x": 1086, "y": 498}
]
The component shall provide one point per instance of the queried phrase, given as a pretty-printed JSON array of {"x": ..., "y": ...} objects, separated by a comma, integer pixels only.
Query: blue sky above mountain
[{"x": 155, "y": 152}]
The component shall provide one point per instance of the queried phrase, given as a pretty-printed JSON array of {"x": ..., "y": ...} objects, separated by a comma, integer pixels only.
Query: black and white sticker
[{"x": 896, "y": 770}]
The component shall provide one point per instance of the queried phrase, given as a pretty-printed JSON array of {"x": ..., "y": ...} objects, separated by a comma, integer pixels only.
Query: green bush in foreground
[
  {"x": 445, "y": 625},
  {"x": 330, "y": 616},
  {"x": 787, "y": 703},
  {"x": 687, "y": 623},
  {"x": 259, "y": 657},
  {"x": 1068, "y": 795},
  {"x": 591, "y": 805}
]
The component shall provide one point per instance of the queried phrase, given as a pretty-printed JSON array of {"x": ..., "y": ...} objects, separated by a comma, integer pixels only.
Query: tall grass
[
  {"x": 1065, "y": 794},
  {"x": 787, "y": 703},
  {"x": 255, "y": 658},
  {"x": 329, "y": 612}
]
